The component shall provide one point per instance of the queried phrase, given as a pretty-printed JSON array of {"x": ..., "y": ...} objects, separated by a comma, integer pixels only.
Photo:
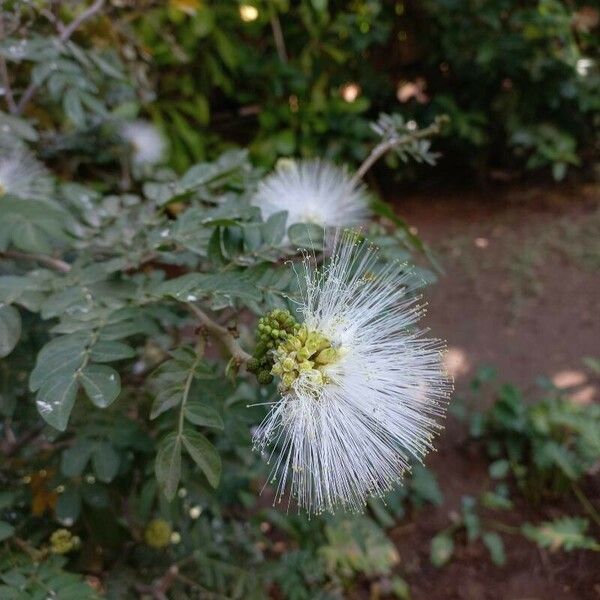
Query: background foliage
[{"x": 518, "y": 79}]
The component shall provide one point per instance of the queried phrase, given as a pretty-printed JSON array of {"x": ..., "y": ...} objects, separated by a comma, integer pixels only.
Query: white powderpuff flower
[
  {"x": 312, "y": 191},
  {"x": 146, "y": 141},
  {"x": 352, "y": 417},
  {"x": 23, "y": 176}
]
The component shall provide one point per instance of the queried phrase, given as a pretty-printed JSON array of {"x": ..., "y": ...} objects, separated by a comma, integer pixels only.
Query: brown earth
[{"x": 521, "y": 291}]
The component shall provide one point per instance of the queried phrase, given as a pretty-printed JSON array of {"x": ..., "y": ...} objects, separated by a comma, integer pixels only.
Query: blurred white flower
[
  {"x": 23, "y": 176},
  {"x": 361, "y": 387},
  {"x": 312, "y": 191},
  {"x": 584, "y": 66},
  {"x": 146, "y": 141},
  {"x": 248, "y": 13}
]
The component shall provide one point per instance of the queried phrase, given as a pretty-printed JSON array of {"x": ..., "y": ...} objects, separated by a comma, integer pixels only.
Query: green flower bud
[
  {"x": 253, "y": 365},
  {"x": 158, "y": 533},
  {"x": 327, "y": 356},
  {"x": 264, "y": 377}
]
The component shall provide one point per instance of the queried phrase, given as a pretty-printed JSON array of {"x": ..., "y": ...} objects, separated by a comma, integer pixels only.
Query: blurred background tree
[{"x": 519, "y": 80}]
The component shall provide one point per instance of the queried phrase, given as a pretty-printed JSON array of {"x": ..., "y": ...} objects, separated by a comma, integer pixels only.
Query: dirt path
[
  {"x": 522, "y": 284},
  {"x": 521, "y": 292}
]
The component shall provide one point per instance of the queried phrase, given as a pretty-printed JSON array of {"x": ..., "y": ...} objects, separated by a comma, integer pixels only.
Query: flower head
[
  {"x": 361, "y": 388},
  {"x": 147, "y": 142},
  {"x": 158, "y": 533},
  {"x": 62, "y": 541},
  {"x": 312, "y": 191},
  {"x": 23, "y": 176}
]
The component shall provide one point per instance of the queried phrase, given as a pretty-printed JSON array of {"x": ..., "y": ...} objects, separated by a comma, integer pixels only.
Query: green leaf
[
  {"x": 102, "y": 384},
  {"x": 470, "y": 517},
  {"x": 110, "y": 351},
  {"x": 74, "y": 459},
  {"x": 6, "y": 530},
  {"x": 199, "y": 414},
  {"x": 73, "y": 108},
  {"x": 568, "y": 533},
  {"x": 383, "y": 209},
  {"x": 68, "y": 505},
  {"x": 400, "y": 588},
  {"x": 425, "y": 485},
  {"x": 193, "y": 286},
  {"x": 562, "y": 458},
  {"x": 495, "y": 546},
  {"x": 168, "y": 465},
  {"x": 306, "y": 235},
  {"x": 495, "y": 501},
  {"x": 166, "y": 399},
  {"x": 441, "y": 549},
  {"x": 273, "y": 229},
  {"x": 499, "y": 469},
  {"x": 204, "y": 455},
  {"x": 61, "y": 356},
  {"x": 10, "y": 329},
  {"x": 106, "y": 462},
  {"x": 358, "y": 545},
  {"x": 55, "y": 400}
]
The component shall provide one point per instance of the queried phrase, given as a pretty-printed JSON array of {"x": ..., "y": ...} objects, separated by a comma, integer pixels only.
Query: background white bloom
[
  {"x": 313, "y": 191},
  {"x": 147, "y": 143},
  {"x": 348, "y": 429},
  {"x": 23, "y": 176}
]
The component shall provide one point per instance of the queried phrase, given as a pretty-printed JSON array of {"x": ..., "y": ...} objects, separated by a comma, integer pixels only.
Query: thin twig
[
  {"x": 60, "y": 26},
  {"x": 278, "y": 38},
  {"x": 66, "y": 33},
  {"x": 388, "y": 145},
  {"x": 586, "y": 503},
  {"x": 8, "y": 93},
  {"x": 54, "y": 263},
  {"x": 12, "y": 446},
  {"x": 221, "y": 333}
]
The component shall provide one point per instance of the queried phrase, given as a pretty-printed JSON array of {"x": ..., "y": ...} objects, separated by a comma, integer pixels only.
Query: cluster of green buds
[
  {"x": 304, "y": 352},
  {"x": 272, "y": 330},
  {"x": 62, "y": 541},
  {"x": 287, "y": 349}
]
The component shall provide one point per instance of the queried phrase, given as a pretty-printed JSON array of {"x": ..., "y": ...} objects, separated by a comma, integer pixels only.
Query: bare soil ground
[{"x": 521, "y": 292}]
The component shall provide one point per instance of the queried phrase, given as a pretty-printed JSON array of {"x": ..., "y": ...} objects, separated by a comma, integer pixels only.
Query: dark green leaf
[
  {"x": 499, "y": 469},
  {"x": 55, "y": 400},
  {"x": 10, "y": 329},
  {"x": 273, "y": 229},
  {"x": 102, "y": 384},
  {"x": 110, "y": 351},
  {"x": 168, "y": 465},
  {"x": 495, "y": 546},
  {"x": 204, "y": 455},
  {"x": 199, "y": 414},
  {"x": 306, "y": 235},
  {"x": 441, "y": 550},
  {"x": 68, "y": 505},
  {"x": 6, "y": 530},
  {"x": 106, "y": 462},
  {"x": 74, "y": 459}
]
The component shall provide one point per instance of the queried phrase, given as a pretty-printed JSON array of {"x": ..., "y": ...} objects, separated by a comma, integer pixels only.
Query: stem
[
  {"x": 186, "y": 392},
  {"x": 10, "y": 99},
  {"x": 221, "y": 333},
  {"x": 587, "y": 505},
  {"x": 64, "y": 36},
  {"x": 49, "y": 261},
  {"x": 503, "y": 527},
  {"x": 384, "y": 147},
  {"x": 278, "y": 38}
]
